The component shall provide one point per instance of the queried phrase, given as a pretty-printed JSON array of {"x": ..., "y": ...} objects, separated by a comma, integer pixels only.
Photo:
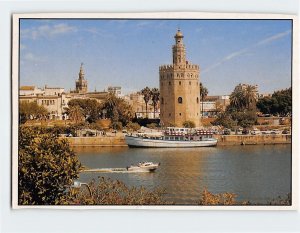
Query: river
[{"x": 255, "y": 173}]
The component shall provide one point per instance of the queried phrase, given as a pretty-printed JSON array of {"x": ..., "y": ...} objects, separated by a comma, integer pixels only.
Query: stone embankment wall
[
  {"x": 228, "y": 140},
  {"x": 223, "y": 140},
  {"x": 97, "y": 141}
]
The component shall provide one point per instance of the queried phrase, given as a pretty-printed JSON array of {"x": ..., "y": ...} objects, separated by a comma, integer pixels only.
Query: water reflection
[{"x": 254, "y": 173}]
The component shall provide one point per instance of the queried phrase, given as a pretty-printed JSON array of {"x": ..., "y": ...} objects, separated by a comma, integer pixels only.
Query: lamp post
[{"x": 78, "y": 184}]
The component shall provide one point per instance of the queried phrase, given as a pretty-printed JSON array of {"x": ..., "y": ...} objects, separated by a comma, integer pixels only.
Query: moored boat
[{"x": 173, "y": 137}]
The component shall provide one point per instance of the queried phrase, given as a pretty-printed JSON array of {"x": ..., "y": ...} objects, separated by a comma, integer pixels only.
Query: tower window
[
  {"x": 197, "y": 100},
  {"x": 190, "y": 82},
  {"x": 180, "y": 114},
  {"x": 180, "y": 100},
  {"x": 169, "y": 114},
  {"x": 170, "y": 83},
  {"x": 179, "y": 82},
  {"x": 162, "y": 100}
]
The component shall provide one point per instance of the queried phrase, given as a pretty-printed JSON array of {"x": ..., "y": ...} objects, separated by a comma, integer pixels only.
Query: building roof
[{"x": 27, "y": 88}]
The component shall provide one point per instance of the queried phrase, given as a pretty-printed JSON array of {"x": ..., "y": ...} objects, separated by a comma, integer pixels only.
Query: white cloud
[
  {"x": 47, "y": 30},
  {"x": 273, "y": 38},
  {"x": 30, "y": 57},
  {"x": 246, "y": 50}
]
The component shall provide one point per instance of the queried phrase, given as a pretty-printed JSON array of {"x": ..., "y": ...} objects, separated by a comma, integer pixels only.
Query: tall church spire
[
  {"x": 81, "y": 72},
  {"x": 81, "y": 83},
  {"x": 179, "y": 49}
]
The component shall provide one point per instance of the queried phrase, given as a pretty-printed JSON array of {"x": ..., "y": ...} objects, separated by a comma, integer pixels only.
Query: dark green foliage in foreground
[
  {"x": 109, "y": 192},
  {"x": 46, "y": 167},
  {"x": 229, "y": 199}
]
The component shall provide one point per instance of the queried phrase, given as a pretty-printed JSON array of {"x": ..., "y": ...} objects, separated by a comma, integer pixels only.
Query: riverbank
[{"x": 118, "y": 140}]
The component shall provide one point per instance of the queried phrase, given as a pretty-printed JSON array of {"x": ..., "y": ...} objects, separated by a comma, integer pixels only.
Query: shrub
[
  {"x": 208, "y": 198},
  {"x": 189, "y": 124},
  {"x": 133, "y": 126},
  {"x": 46, "y": 167},
  {"x": 109, "y": 192},
  {"x": 152, "y": 125}
]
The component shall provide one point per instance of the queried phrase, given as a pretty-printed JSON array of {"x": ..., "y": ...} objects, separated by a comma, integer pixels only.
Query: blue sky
[{"x": 128, "y": 53}]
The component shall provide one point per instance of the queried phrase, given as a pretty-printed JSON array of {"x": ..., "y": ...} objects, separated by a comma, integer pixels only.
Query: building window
[
  {"x": 180, "y": 100},
  {"x": 197, "y": 100},
  {"x": 169, "y": 83},
  {"x": 190, "y": 82},
  {"x": 169, "y": 114},
  {"x": 162, "y": 100},
  {"x": 180, "y": 114},
  {"x": 179, "y": 82}
]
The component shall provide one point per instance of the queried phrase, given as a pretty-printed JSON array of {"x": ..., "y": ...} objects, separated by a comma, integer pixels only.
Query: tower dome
[{"x": 178, "y": 34}]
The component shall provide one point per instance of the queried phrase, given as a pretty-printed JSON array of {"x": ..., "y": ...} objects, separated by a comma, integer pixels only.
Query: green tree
[
  {"x": 146, "y": 92},
  {"x": 224, "y": 119},
  {"x": 155, "y": 98},
  {"x": 245, "y": 119},
  {"x": 243, "y": 99},
  {"x": 31, "y": 110},
  {"x": 203, "y": 94},
  {"x": 75, "y": 113},
  {"x": 117, "y": 109},
  {"x": 46, "y": 168},
  {"x": 90, "y": 108}
]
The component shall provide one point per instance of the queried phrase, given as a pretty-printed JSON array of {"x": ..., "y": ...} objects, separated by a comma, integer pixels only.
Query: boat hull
[
  {"x": 142, "y": 169},
  {"x": 132, "y": 141}
]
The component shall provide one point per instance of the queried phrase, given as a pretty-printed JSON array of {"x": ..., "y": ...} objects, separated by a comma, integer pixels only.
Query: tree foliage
[
  {"x": 31, "y": 110},
  {"x": 117, "y": 109},
  {"x": 133, "y": 126},
  {"x": 243, "y": 99},
  {"x": 189, "y": 124},
  {"x": 88, "y": 108},
  {"x": 46, "y": 167},
  {"x": 225, "y": 120},
  {"x": 279, "y": 103},
  {"x": 146, "y": 92},
  {"x": 155, "y": 98},
  {"x": 203, "y": 92}
]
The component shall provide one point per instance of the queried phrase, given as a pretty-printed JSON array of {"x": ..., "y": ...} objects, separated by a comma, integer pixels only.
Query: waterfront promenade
[{"x": 223, "y": 140}]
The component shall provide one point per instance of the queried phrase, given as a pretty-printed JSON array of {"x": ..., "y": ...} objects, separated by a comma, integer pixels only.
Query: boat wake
[{"x": 113, "y": 170}]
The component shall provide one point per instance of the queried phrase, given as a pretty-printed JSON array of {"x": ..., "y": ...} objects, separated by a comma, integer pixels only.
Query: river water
[{"x": 255, "y": 173}]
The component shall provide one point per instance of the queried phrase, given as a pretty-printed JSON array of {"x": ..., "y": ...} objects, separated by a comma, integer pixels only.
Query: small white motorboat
[{"x": 143, "y": 167}]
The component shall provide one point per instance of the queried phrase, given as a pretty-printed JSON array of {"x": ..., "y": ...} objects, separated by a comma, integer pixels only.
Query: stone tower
[
  {"x": 179, "y": 88},
  {"x": 81, "y": 83}
]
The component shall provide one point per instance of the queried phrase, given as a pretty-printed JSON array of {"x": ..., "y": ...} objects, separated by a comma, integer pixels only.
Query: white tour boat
[
  {"x": 173, "y": 137},
  {"x": 143, "y": 167}
]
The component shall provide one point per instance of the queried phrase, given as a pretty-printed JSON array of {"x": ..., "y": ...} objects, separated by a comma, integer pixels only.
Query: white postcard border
[{"x": 153, "y": 15}]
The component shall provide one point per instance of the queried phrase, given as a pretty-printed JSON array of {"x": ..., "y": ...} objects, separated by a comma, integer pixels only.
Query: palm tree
[
  {"x": 155, "y": 98},
  {"x": 250, "y": 96},
  {"x": 203, "y": 94},
  {"x": 146, "y": 92}
]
